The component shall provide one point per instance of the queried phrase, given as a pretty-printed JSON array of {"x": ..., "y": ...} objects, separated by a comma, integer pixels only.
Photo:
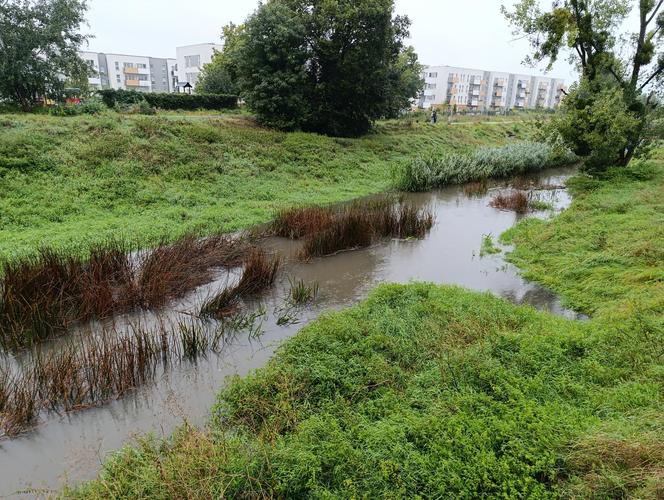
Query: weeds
[
  {"x": 476, "y": 188},
  {"x": 260, "y": 272},
  {"x": 516, "y": 201},
  {"x": 46, "y": 294},
  {"x": 86, "y": 373},
  {"x": 488, "y": 248},
  {"x": 328, "y": 230},
  {"x": 301, "y": 293}
]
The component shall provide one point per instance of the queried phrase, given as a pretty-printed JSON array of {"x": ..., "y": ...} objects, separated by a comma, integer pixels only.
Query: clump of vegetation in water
[
  {"x": 476, "y": 188},
  {"x": 488, "y": 248},
  {"x": 259, "y": 274},
  {"x": 440, "y": 170},
  {"x": 43, "y": 295},
  {"x": 90, "y": 371},
  {"x": 327, "y": 230}
]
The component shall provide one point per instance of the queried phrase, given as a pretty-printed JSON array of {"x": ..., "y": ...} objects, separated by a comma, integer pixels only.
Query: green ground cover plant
[
  {"x": 70, "y": 182},
  {"x": 439, "y": 392}
]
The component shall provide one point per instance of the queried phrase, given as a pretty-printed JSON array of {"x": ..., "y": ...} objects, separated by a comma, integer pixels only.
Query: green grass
[
  {"x": 439, "y": 392},
  {"x": 605, "y": 255},
  {"x": 69, "y": 182},
  {"x": 420, "y": 390}
]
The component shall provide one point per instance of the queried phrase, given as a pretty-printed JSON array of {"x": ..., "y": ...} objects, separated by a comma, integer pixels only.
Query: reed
[
  {"x": 259, "y": 274},
  {"x": 44, "y": 295},
  {"x": 89, "y": 372},
  {"x": 360, "y": 224},
  {"x": 476, "y": 188},
  {"x": 295, "y": 223},
  {"x": 517, "y": 201},
  {"x": 301, "y": 293}
]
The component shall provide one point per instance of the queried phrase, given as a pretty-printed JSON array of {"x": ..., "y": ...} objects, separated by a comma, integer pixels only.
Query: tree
[
  {"x": 39, "y": 43},
  {"x": 328, "y": 66},
  {"x": 618, "y": 72},
  {"x": 220, "y": 76}
]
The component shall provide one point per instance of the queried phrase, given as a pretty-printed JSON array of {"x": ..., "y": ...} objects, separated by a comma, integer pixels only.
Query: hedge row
[{"x": 169, "y": 101}]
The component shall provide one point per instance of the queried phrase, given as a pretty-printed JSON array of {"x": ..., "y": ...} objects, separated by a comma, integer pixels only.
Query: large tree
[
  {"x": 221, "y": 75},
  {"x": 329, "y": 66},
  {"x": 39, "y": 43},
  {"x": 620, "y": 72}
]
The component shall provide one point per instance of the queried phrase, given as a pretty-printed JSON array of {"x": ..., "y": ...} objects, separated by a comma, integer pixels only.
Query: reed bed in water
[
  {"x": 42, "y": 295},
  {"x": 89, "y": 372},
  {"x": 517, "y": 201},
  {"x": 329, "y": 230},
  {"x": 259, "y": 274}
]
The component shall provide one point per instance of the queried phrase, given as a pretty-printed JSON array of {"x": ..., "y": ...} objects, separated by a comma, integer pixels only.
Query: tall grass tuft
[
  {"x": 359, "y": 226},
  {"x": 516, "y": 201},
  {"x": 88, "y": 372},
  {"x": 44, "y": 295},
  {"x": 259, "y": 274},
  {"x": 450, "y": 168}
]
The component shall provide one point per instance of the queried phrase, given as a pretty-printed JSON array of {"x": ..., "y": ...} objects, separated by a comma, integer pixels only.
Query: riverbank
[
  {"x": 75, "y": 181},
  {"x": 445, "y": 392}
]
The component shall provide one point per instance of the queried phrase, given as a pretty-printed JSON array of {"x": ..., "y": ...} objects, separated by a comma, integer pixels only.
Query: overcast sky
[{"x": 468, "y": 33}]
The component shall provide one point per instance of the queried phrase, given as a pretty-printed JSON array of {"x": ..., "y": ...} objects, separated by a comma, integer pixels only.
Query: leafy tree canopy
[
  {"x": 329, "y": 66},
  {"x": 221, "y": 75},
  {"x": 39, "y": 43},
  {"x": 613, "y": 64}
]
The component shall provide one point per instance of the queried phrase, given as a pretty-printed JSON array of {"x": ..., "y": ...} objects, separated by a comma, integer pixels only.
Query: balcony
[
  {"x": 132, "y": 83},
  {"x": 129, "y": 70}
]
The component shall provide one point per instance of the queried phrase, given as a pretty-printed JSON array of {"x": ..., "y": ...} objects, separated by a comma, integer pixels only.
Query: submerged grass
[
  {"x": 328, "y": 230},
  {"x": 44, "y": 295},
  {"x": 70, "y": 182},
  {"x": 259, "y": 274},
  {"x": 86, "y": 372}
]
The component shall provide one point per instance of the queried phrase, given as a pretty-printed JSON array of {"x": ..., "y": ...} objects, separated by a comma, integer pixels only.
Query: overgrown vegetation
[
  {"x": 186, "y": 102},
  {"x": 44, "y": 295},
  {"x": 327, "y": 230},
  {"x": 69, "y": 183},
  {"x": 440, "y": 392},
  {"x": 437, "y": 170}
]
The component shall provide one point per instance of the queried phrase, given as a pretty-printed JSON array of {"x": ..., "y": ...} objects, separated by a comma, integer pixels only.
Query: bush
[
  {"x": 91, "y": 106},
  {"x": 188, "y": 102},
  {"x": 427, "y": 173}
]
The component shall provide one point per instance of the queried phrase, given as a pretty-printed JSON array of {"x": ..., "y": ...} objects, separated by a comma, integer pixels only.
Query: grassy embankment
[
  {"x": 70, "y": 182},
  {"x": 445, "y": 393}
]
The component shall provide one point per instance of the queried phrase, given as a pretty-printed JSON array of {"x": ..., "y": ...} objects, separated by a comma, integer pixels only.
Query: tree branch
[
  {"x": 654, "y": 12},
  {"x": 652, "y": 77}
]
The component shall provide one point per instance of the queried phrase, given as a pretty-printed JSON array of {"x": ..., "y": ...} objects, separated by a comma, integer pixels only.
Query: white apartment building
[
  {"x": 191, "y": 59},
  {"x": 128, "y": 72},
  {"x": 479, "y": 90}
]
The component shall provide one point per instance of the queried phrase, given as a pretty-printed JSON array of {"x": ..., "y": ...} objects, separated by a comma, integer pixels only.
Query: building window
[
  {"x": 433, "y": 75},
  {"x": 431, "y": 98},
  {"x": 431, "y": 86},
  {"x": 117, "y": 66},
  {"x": 192, "y": 61}
]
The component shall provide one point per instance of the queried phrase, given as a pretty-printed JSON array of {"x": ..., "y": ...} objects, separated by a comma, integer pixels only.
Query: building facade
[
  {"x": 128, "y": 72},
  {"x": 191, "y": 59},
  {"x": 480, "y": 91}
]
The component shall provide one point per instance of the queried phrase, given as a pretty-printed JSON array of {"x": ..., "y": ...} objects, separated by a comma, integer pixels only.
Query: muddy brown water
[{"x": 71, "y": 447}]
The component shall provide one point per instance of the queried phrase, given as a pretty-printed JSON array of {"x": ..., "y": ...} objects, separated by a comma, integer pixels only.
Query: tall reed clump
[
  {"x": 450, "y": 168},
  {"x": 89, "y": 372},
  {"x": 45, "y": 294},
  {"x": 357, "y": 225},
  {"x": 259, "y": 274},
  {"x": 518, "y": 201}
]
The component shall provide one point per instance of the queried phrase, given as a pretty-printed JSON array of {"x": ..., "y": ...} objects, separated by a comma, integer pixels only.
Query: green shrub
[
  {"x": 187, "y": 102},
  {"x": 450, "y": 168}
]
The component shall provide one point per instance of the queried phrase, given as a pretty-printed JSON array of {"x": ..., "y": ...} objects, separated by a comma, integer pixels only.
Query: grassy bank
[
  {"x": 419, "y": 390},
  {"x": 69, "y": 182}
]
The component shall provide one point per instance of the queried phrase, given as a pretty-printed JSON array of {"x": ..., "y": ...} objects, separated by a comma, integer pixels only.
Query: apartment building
[
  {"x": 192, "y": 58},
  {"x": 478, "y": 90},
  {"x": 129, "y": 72}
]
